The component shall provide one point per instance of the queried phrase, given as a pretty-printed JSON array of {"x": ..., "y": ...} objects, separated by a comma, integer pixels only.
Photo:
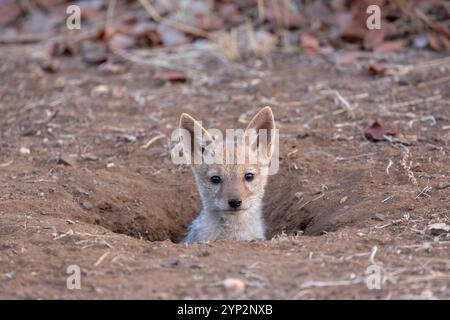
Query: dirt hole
[{"x": 161, "y": 206}]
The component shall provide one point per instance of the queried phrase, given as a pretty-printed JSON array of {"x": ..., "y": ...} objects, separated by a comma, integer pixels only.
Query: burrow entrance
[{"x": 160, "y": 206}]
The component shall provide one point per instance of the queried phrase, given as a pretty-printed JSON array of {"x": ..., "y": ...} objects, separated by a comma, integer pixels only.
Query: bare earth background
[{"x": 336, "y": 197}]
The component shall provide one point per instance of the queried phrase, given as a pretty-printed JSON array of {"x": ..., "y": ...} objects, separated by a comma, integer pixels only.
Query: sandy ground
[{"x": 79, "y": 188}]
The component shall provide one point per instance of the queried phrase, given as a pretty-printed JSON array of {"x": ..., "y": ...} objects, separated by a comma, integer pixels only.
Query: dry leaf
[
  {"x": 375, "y": 69},
  {"x": 67, "y": 160},
  {"x": 436, "y": 229},
  {"x": 376, "y": 132},
  {"x": 443, "y": 185},
  {"x": 433, "y": 42},
  {"x": 170, "y": 76},
  {"x": 309, "y": 44}
]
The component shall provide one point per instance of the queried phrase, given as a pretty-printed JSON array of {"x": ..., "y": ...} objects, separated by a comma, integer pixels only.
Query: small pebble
[
  {"x": 234, "y": 285},
  {"x": 443, "y": 185},
  {"x": 24, "y": 150}
]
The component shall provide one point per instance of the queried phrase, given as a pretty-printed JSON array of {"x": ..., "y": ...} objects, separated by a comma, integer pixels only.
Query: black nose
[{"x": 234, "y": 203}]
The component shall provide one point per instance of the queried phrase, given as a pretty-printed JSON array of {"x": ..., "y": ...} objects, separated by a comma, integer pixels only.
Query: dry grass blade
[
  {"x": 151, "y": 141},
  {"x": 68, "y": 233},
  {"x": 5, "y": 164},
  {"x": 102, "y": 257},
  {"x": 332, "y": 283},
  {"x": 348, "y": 107},
  {"x": 312, "y": 200},
  {"x": 429, "y": 277}
]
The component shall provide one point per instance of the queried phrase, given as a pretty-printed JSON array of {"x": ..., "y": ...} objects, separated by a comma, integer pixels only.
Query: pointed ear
[
  {"x": 260, "y": 130},
  {"x": 195, "y": 138}
]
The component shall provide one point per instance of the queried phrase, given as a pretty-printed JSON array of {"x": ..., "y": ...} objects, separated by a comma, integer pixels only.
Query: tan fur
[{"x": 217, "y": 220}]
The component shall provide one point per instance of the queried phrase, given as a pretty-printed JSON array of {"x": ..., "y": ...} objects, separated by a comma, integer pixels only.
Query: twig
[
  {"x": 49, "y": 118},
  {"x": 389, "y": 166},
  {"x": 312, "y": 200},
  {"x": 426, "y": 278},
  {"x": 384, "y": 225},
  {"x": 101, "y": 258},
  {"x": 110, "y": 12},
  {"x": 355, "y": 157},
  {"x": 373, "y": 254},
  {"x": 321, "y": 284},
  {"x": 68, "y": 233},
  {"x": 145, "y": 146},
  {"x": 344, "y": 102},
  {"x": 261, "y": 13},
  {"x": 433, "y": 82},
  {"x": 8, "y": 163},
  {"x": 417, "y": 101},
  {"x": 424, "y": 192}
]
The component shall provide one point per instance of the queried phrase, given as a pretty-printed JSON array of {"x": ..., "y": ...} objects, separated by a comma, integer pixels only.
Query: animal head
[{"x": 231, "y": 176}]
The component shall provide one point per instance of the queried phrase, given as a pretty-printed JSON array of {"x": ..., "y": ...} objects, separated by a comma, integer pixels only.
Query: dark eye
[
  {"x": 249, "y": 176},
  {"x": 215, "y": 179}
]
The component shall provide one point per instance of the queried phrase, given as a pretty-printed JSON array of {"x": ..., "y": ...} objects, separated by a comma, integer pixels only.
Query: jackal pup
[{"x": 231, "y": 186}]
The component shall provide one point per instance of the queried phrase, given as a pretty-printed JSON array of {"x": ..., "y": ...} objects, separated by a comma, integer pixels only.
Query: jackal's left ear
[
  {"x": 261, "y": 131},
  {"x": 196, "y": 139}
]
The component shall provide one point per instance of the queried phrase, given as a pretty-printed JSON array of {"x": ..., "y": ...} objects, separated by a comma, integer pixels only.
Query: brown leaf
[
  {"x": 67, "y": 160},
  {"x": 375, "y": 132},
  {"x": 49, "y": 65},
  {"x": 441, "y": 28},
  {"x": 375, "y": 69},
  {"x": 391, "y": 46},
  {"x": 433, "y": 42},
  {"x": 170, "y": 76},
  {"x": 309, "y": 44}
]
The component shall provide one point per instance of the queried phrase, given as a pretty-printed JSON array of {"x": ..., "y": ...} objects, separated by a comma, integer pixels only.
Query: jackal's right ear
[
  {"x": 261, "y": 131},
  {"x": 195, "y": 139}
]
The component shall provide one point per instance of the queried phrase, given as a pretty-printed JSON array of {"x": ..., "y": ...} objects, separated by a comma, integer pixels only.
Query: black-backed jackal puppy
[{"x": 230, "y": 180}]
